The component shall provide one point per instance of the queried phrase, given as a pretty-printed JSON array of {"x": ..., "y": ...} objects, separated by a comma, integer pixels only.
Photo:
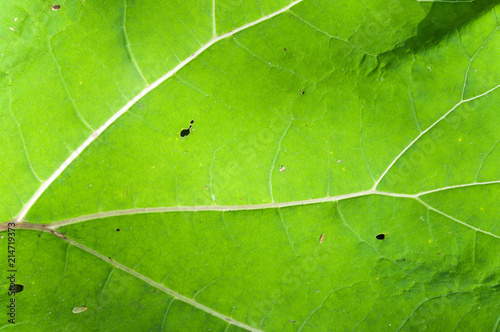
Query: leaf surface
[{"x": 252, "y": 165}]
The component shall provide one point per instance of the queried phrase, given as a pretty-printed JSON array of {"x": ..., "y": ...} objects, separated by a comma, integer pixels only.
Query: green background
[{"x": 394, "y": 103}]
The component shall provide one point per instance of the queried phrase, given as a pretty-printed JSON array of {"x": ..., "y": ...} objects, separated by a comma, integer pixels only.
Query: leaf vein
[
  {"x": 131, "y": 102},
  {"x": 159, "y": 286}
]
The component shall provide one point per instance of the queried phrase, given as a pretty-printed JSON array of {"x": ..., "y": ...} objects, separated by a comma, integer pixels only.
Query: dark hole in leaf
[
  {"x": 117, "y": 229},
  {"x": 185, "y": 132},
  {"x": 16, "y": 288},
  {"x": 380, "y": 236}
]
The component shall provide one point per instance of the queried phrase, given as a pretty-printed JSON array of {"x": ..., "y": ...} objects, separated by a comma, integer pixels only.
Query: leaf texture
[{"x": 252, "y": 165}]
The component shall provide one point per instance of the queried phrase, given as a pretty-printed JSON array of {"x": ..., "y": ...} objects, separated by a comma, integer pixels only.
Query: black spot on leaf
[
  {"x": 16, "y": 288},
  {"x": 185, "y": 132},
  {"x": 380, "y": 236}
]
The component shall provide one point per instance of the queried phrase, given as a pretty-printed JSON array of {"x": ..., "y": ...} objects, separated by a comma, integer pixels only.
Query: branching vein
[
  {"x": 128, "y": 105},
  {"x": 426, "y": 130},
  {"x": 159, "y": 286}
]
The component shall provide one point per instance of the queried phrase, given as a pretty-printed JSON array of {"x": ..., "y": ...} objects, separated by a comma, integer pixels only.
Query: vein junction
[
  {"x": 128, "y": 105},
  {"x": 52, "y": 227}
]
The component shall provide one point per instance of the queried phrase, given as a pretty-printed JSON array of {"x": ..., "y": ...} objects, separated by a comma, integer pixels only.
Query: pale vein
[
  {"x": 127, "y": 106},
  {"x": 159, "y": 286}
]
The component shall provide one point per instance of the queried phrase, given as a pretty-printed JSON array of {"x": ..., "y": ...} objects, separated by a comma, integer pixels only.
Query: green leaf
[{"x": 250, "y": 165}]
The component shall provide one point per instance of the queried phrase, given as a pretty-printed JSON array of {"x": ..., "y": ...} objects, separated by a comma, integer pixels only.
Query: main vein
[
  {"x": 52, "y": 227},
  {"x": 127, "y": 106}
]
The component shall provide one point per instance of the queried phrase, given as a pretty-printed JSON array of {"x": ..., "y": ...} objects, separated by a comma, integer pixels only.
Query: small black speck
[
  {"x": 303, "y": 92},
  {"x": 117, "y": 229},
  {"x": 192, "y": 121},
  {"x": 380, "y": 236}
]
